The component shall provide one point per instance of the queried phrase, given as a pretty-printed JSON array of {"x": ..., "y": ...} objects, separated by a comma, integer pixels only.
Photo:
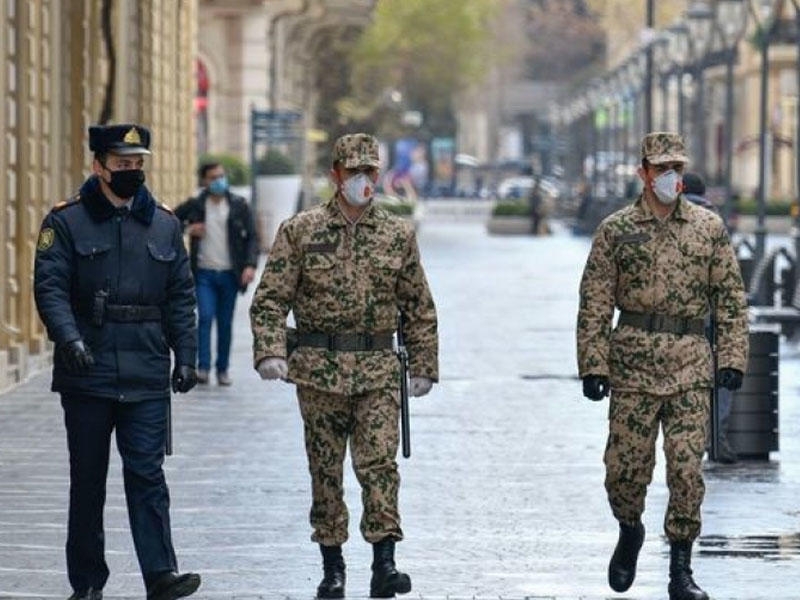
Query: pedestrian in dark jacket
[
  {"x": 224, "y": 255},
  {"x": 113, "y": 287}
]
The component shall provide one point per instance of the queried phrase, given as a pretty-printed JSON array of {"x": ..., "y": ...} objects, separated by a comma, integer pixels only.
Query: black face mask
[{"x": 125, "y": 183}]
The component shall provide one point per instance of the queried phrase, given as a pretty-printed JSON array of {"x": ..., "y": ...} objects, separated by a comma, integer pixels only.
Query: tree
[
  {"x": 564, "y": 39},
  {"x": 428, "y": 51}
]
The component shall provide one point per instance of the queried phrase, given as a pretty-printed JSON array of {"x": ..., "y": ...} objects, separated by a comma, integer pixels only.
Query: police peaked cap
[{"x": 122, "y": 139}]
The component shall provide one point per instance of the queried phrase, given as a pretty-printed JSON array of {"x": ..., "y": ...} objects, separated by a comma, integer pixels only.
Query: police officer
[
  {"x": 346, "y": 268},
  {"x": 113, "y": 287},
  {"x": 661, "y": 261}
]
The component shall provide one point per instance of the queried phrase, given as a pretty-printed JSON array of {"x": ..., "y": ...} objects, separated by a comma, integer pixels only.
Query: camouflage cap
[
  {"x": 663, "y": 146},
  {"x": 356, "y": 150}
]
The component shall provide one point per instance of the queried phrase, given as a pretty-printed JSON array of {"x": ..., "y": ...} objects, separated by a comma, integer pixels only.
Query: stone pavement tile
[{"x": 503, "y": 496}]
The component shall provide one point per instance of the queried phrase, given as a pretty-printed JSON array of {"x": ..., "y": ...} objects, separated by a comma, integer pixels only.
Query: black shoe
[
  {"x": 90, "y": 594},
  {"x": 333, "y": 581},
  {"x": 622, "y": 568},
  {"x": 386, "y": 579},
  {"x": 170, "y": 586},
  {"x": 681, "y": 584}
]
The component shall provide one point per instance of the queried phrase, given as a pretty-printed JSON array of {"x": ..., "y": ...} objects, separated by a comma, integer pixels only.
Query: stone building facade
[{"x": 67, "y": 64}]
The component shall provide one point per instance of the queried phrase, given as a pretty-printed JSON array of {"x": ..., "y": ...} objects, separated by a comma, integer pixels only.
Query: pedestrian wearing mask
[
  {"x": 113, "y": 287},
  {"x": 346, "y": 268},
  {"x": 224, "y": 256},
  {"x": 662, "y": 262}
]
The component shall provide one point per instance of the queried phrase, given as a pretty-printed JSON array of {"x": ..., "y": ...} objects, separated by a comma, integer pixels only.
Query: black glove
[
  {"x": 595, "y": 387},
  {"x": 730, "y": 379},
  {"x": 77, "y": 357},
  {"x": 184, "y": 378}
]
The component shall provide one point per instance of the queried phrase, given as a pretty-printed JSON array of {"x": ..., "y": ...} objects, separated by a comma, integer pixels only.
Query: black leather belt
[
  {"x": 346, "y": 342},
  {"x": 662, "y": 323},
  {"x": 132, "y": 313}
]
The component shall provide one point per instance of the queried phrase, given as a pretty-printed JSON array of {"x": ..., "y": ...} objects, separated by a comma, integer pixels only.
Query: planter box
[
  {"x": 509, "y": 225},
  {"x": 276, "y": 201},
  {"x": 772, "y": 223}
]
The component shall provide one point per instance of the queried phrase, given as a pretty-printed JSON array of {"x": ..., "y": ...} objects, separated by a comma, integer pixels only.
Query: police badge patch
[{"x": 46, "y": 237}]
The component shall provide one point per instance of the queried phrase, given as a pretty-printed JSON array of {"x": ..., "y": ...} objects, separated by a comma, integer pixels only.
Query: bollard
[{"x": 753, "y": 429}]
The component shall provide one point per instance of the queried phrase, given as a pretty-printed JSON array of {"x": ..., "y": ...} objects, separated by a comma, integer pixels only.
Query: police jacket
[
  {"x": 119, "y": 280},
  {"x": 242, "y": 240}
]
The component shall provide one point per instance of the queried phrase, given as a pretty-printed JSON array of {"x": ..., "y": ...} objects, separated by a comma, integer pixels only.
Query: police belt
[
  {"x": 132, "y": 313},
  {"x": 656, "y": 323},
  {"x": 346, "y": 342}
]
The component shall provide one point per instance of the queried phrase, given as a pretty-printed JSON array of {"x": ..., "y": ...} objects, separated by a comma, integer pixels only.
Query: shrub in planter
[
  {"x": 236, "y": 170},
  {"x": 511, "y": 208},
  {"x": 772, "y": 207},
  {"x": 274, "y": 162},
  {"x": 395, "y": 205}
]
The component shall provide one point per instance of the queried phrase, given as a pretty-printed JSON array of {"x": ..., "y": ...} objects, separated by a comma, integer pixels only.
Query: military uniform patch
[{"x": 46, "y": 238}]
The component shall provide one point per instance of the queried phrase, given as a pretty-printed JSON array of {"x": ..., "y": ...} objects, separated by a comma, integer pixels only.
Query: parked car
[{"x": 520, "y": 186}]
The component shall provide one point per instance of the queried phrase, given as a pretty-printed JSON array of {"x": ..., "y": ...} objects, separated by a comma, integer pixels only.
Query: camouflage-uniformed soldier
[
  {"x": 345, "y": 268},
  {"x": 662, "y": 262}
]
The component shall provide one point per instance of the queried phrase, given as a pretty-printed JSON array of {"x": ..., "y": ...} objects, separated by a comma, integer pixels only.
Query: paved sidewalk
[{"x": 503, "y": 496}]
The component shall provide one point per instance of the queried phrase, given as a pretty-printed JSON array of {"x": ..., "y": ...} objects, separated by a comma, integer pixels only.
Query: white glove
[
  {"x": 273, "y": 368},
  {"x": 419, "y": 386}
]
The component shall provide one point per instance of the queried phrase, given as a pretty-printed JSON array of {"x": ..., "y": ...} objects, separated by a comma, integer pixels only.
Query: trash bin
[{"x": 753, "y": 428}]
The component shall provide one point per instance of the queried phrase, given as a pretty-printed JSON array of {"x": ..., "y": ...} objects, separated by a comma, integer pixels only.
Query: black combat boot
[
  {"x": 681, "y": 584},
  {"x": 332, "y": 584},
  {"x": 622, "y": 568},
  {"x": 386, "y": 579}
]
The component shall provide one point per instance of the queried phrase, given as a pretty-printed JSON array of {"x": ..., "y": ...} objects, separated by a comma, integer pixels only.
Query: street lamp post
[
  {"x": 666, "y": 68},
  {"x": 731, "y": 21},
  {"x": 796, "y": 6},
  {"x": 699, "y": 19},
  {"x": 648, "y": 83},
  {"x": 763, "y": 17},
  {"x": 679, "y": 50}
]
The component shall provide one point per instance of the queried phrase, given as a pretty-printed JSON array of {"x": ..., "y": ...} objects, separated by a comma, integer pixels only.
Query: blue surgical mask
[{"x": 219, "y": 186}]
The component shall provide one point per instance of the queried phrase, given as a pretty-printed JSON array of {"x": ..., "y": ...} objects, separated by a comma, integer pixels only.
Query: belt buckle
[{"x": 683, "y": 325}]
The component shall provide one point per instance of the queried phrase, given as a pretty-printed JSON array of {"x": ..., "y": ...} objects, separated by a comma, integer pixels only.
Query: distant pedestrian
[
  {"x": 224, "y": 256},
  {"x": 661, "y": 261},
  {"x": 113, "y": 287},
  {"x": 694, "y": 190},
  {"x": 535, "y": 206},
  {"x": 346, "y": 268}
]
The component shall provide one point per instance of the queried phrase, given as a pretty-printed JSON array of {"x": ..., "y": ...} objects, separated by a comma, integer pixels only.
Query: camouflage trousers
[
  {"x": 369, "y": 421},
  {"x": 630, "y": 456}
]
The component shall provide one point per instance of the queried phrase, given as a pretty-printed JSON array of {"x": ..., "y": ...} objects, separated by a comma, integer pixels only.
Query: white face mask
[
  {"x": 358, "y": 190},
  {"x": 667, "y": 186}
]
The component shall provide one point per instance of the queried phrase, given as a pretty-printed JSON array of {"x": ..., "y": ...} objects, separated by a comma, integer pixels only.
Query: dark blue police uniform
[{"x": 113, "y": 287}]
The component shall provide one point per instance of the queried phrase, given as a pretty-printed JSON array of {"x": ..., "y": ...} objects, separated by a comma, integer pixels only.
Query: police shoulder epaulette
[
  {"x": 68, "y": 202},
  {"x": 164, "y": 207}
]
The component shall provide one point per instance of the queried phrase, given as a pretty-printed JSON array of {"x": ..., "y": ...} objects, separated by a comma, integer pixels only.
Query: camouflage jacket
[
  {"x": 342, "y": 278},
  {"x": 676, "y": 267}
]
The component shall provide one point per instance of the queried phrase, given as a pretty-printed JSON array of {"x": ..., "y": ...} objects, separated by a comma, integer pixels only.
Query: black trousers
[{"x": 141, "y": 436}]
